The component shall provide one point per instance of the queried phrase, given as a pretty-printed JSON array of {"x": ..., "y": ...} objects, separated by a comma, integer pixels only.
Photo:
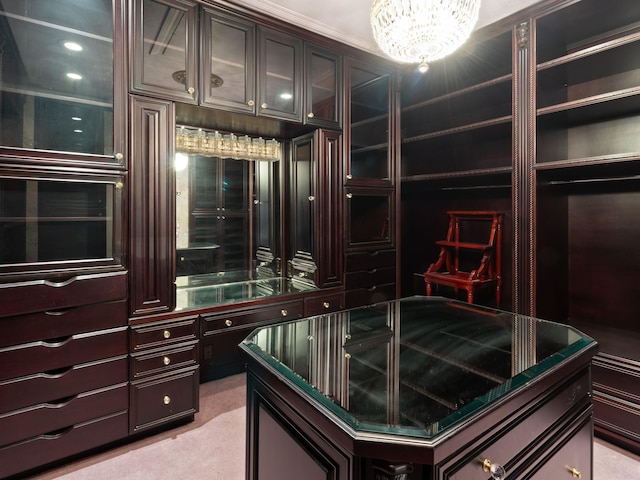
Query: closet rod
[{"x": 594, "y": 180}]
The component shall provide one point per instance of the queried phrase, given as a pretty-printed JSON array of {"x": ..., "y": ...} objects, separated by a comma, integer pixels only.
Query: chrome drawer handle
[
  {"x": 166, "y": 360},
  {"x": 166, "y": 400},
  {"x": 166, "y": 334},
  {"x": 496, "y": 470}
]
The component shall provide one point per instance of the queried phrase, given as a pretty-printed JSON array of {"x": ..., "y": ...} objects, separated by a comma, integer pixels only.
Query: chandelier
[{"x": 422, "y": 31}]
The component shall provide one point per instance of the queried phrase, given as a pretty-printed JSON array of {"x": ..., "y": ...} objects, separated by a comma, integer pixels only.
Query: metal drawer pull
[
  {"x": 228, "y": 322},
  {"x": 326, "y": 304},
  {"x": 497, "y": 471},
  {"x": 283, "y": 312},
  {"x": 166, "y": 334},
  {"x": 166, "y": 360},
  {"x": 166, "y": 399},
  {"x": 575, "y": 473}
]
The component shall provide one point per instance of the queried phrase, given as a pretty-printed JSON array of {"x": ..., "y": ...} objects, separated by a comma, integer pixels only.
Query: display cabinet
[
  {"x": 165, "y": 48},
  {"x": 587, "y": 193},
  {"x": 369, "y": 120},
  {"x": 323, "y": 84}
]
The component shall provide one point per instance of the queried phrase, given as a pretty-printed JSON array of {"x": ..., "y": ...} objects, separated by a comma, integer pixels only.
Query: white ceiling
[{"x": 348, "y": 20}]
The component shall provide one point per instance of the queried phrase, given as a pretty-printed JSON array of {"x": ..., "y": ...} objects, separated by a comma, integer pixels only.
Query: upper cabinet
[
  {"x": 323, "y": 83},
  {"x": 165, "y": 48},
  {"x": 57, "y": 85},
  {"x": 369, "y": 122}
]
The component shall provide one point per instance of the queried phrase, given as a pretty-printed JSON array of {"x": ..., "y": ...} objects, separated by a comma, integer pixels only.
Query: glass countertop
[
  {"x": 197, "y": 291},
  {"x": 414, "y": 366}
]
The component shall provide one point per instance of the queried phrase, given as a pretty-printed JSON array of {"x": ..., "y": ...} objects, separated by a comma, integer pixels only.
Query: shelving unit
[
  {"x": 457, "y": 149},
  {"x": 587, "y": 192}
]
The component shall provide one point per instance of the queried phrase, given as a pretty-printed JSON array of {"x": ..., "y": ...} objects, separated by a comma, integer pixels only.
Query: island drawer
[
  {"x": 56, "y": 353},
  {"x": 63, "y": 322},
  {"x": 164, "y": 399},
  {"x": 504, "y": 444},
  {"x": 323, "y": 304},
  {"x": 48, "y": 386},
  {"x": 47, "y": 417},
  {"x": 164, "y": 360}
]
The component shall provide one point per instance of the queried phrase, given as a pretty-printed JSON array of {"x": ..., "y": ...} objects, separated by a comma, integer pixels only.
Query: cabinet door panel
[{"x": 323, "y": 98}]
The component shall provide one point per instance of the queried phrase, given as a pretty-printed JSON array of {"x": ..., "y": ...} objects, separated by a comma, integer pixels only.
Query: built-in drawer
[
  {"x": 616, "y": 415},
  {"x": 63, "y": 322},
  {"x": 370, "y": 278},
  {"x": 368, "y": 259},
  {"x": 44, "y": 387},
  {"x": 523, "y": 430},
  {"x": 619, "y": 377},
  {"x": 323, "y": 304},
  {"x": 46, "y": 417},
  {"x": 237, "y": 319},
  {"x": 47, "y": 295},
  {"x": 164, "y": 333},
  {"x": 55, "y": 353},
  {"x": 163, "y": 360},
  {"x": 43, "y": 449},
  {"x": 368, "y": 296},
  {"x": 164, "y": 399}
]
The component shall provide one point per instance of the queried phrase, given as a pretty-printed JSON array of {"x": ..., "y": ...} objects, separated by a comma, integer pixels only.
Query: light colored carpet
[{"x": 213, "y": 447}]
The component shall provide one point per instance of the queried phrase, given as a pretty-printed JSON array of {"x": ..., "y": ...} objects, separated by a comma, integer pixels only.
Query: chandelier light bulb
[{"x": 422, "y": 31}]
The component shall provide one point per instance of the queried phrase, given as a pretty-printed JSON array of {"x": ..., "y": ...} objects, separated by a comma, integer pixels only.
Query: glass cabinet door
[
  {"x": 323, "y": 106},
  {"x": 369, "y": 126},
  {"x": 228, "y": 62},
  {"x": 279, "y": 80},
  {"x": 51, "y": 223},
  {"x": 56, "y": 75},
  {"x": 369, "y": 217},
  {"x": 165, "y": 42}
]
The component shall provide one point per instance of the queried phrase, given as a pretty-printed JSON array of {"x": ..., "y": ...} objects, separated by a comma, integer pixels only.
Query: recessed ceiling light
[
  {"x": 74, "y": 76},
  {"x": 77, "y": 130},
  {"x": 76, "y": 47},
  {"x": 77, "y": 119}
]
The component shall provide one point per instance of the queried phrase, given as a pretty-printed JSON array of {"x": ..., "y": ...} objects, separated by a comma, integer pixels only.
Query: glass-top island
[{"x": 423, "y": 388}]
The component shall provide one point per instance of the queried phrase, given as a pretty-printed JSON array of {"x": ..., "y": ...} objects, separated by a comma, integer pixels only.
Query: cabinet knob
[
  {"x": 191, "y": 90},
  {"x": 326, "y": 304},
  {"x": 119, "y": 156},
  {"x": 496, "y": 470},
  {"x": 166, "y": 400},
  {"x": 119, "y": 185},
  {"x": 575, "y": 473},
  {"x": 349, "y": 195},
  {"x": 311, "y": 198},
  {"x": 310, "y": 115},
  {"x": 347, "y": 356},
  {"x": 166, "y": 334},
  {"x": 283, "y": 312},
  {"x": 349, "y": 176},
  {"x": 228, "y": 322},
  {"x": 166, "y": 360},
  {"x": 264, "y": 105},
  {"x": 251, "y": 103}
]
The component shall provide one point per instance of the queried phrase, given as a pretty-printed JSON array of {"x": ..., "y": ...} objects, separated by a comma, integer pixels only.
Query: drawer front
[
  {"x": 44, "y": 449},
  {"x": 164, "y": 399},
  {"x": 368, "y": 296},
  {"x": 46, "y": 356},
  {"x": 367, "y": 260},
  {"x": 49, "y": 417},
  {"x": 158, "y": 334},
  {"x": 616, "y": 378},
  {"x": 46, "y": 295},
  {"x": 282, "y": 311},
  {"x": 516, "y": 438},
  {"x": 46, "y": 387},
  {"x": 164, "y": 360},
  {"x": 324, "y": 304},
  {"x": 571, "y": 460},
  {"x": 370, "y": 278},
  {"x": 617, "y": 415},
  {"x": 62, "y": 323}
]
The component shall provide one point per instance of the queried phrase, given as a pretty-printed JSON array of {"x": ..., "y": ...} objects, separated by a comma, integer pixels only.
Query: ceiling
[{"x": 348, "y": 20}]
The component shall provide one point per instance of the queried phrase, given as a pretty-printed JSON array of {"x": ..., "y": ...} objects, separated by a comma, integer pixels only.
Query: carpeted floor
[{"x": 213, "y": 448}]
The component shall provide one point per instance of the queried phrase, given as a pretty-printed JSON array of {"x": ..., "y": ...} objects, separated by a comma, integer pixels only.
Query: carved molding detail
[{"x": 522, "y": 32}]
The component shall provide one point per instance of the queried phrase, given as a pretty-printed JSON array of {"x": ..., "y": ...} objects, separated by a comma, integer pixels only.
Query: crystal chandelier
[{"x": 421, "y": 31}]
